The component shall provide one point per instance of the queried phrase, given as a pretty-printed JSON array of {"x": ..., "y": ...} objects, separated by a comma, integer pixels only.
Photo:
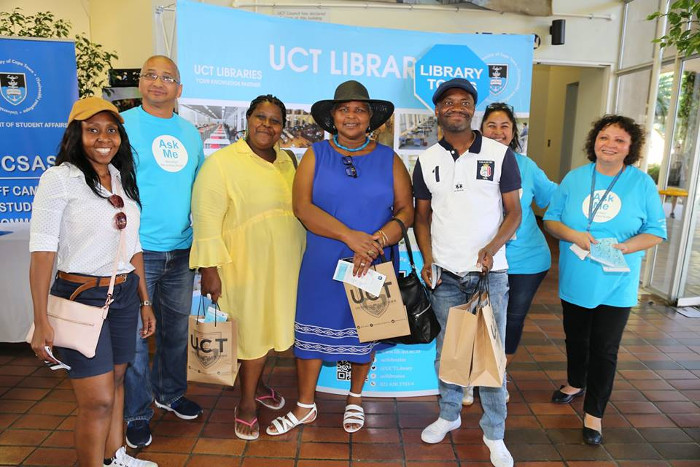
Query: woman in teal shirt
[{"x": 607, "y": 199}]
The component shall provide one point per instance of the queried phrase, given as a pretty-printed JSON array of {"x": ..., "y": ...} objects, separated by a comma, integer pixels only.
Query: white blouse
[{"x": 67, "y": 217}]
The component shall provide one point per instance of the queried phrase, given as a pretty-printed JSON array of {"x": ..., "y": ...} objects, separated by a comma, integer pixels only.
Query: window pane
[{"x": 639, "y": 33}]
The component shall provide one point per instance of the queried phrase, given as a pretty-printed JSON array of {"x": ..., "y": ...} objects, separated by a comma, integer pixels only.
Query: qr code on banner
[{"x": 343, "y": 370}]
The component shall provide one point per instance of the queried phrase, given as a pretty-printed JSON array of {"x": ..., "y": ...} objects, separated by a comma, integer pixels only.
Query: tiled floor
[{"x": 653, "y": 419}]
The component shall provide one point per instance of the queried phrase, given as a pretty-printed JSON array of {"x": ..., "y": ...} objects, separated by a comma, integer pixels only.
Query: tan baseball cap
[{"x": 89, "y": 106}]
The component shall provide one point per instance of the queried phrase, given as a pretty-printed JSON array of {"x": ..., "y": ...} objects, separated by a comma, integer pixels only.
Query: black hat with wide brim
[{"x": 346, "y": 92}]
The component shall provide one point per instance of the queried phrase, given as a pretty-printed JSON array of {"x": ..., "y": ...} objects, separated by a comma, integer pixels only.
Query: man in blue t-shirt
[
  {"x": 168, "y": 152},
  {"x": 467, "y": 207}
]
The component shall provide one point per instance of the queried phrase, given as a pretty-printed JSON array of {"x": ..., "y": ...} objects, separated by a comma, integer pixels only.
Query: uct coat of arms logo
[
  {"x": 20, "y": 87},
  {"x": 13, "y": 87},
  {"x": 498, "y": 78}
]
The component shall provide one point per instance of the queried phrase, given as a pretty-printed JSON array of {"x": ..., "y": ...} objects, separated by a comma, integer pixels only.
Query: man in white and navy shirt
[{"x": 467, "y": 207}]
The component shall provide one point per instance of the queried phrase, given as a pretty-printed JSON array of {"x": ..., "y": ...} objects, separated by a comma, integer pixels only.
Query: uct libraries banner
[
  {"x": 303, "y": 61},
  {"x": 38, "y": 85}
]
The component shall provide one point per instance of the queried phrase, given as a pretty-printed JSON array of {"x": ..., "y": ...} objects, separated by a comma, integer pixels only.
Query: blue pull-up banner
[{"x": 38, "y": 85}]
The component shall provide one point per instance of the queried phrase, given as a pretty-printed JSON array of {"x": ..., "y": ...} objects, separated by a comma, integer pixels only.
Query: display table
[{"x": 16, "y": 314}]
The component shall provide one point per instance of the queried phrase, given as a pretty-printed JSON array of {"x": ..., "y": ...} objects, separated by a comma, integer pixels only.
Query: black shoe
[
  {"x": 591, "y": 436},
  {"x": 183, "y": 408},
  {"x": 138, "y": 434},
  {"x": 559, "y": 397}
]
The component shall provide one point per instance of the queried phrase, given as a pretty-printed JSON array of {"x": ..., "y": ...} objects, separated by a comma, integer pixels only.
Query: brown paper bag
[
  {"x": 458, "y": 344},
  {"x": 379, "y": 317},
  {"x": 472, "y": 352},
  {"x": 211, "y": 352},
  {"x": 489, "y": 357}
]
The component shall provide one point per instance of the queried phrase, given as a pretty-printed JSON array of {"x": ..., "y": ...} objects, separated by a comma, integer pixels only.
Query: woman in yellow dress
[{"x": 248, "y": 247}]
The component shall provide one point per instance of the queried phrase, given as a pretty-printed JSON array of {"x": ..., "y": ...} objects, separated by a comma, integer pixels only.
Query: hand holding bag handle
[{"x": 421, "y": 318}]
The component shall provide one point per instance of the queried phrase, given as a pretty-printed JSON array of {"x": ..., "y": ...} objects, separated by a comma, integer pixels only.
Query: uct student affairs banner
[
  {"x": 38, "y": 85},
  {"x": 227, "y": 57}
]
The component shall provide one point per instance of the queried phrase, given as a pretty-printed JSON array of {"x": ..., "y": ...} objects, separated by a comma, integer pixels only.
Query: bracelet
[
  {"x": 146, "y": 303},
  {"x": 386, "y": 239}
]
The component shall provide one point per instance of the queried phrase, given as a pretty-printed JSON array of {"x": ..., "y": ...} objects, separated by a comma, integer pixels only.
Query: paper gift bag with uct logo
[
  {"x": 379, "y": 317},
  {"x": 211, "y": 351}
]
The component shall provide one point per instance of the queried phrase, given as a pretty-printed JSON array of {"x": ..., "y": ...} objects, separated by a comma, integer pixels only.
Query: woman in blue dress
[{"x": 346, "y": 192}]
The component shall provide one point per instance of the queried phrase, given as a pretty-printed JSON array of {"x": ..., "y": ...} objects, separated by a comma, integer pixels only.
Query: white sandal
[
  {"x": 354, "y": 415},
  {"x": 286, "y": 422}
]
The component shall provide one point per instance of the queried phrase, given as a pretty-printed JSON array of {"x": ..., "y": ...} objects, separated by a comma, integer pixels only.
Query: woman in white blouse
[{"x": 80, "y": 207}]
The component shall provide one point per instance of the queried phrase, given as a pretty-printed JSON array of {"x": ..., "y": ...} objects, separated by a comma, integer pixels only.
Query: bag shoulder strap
[
  {"x": 110, "y": 291},
  {"x": 291, "y": 156},
  {"x": 404, "y": 233}
]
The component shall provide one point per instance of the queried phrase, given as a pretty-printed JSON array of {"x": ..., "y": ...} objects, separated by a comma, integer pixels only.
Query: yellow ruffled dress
[{"x": 244, "y": 224}]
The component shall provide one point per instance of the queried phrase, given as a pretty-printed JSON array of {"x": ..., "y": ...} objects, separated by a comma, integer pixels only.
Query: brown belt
[{"x": 89, "y": 281}]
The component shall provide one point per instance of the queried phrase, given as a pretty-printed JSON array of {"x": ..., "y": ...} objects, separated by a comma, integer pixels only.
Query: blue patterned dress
[{"x": 324, "y": 327}]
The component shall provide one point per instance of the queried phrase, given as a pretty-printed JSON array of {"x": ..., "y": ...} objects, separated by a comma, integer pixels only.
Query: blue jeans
[
  {"x": 169, "y": 281},
  {"x": 522, "y": 290},
  {"x": 455, "y": 291}
]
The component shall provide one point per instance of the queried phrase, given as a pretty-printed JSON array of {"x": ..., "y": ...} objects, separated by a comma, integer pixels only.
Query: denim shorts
[{"x": 117, "y": 342}]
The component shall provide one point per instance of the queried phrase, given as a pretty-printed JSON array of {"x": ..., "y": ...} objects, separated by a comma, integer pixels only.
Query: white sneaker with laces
[
  {"x": 436, "y": 431},
  {"x": 500, "y": 457},
  {"x": 468, "y": 398},
  {"x": 122, "y": 459}
]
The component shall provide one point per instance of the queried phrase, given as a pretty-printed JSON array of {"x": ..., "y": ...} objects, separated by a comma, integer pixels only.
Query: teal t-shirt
[
  {"x": 528, "y": 252},
  {"x": 168, "y": 153},
  {"x": 632, "y": 207}
]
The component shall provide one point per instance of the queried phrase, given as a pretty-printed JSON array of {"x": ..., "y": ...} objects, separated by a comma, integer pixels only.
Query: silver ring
[{"x": 362, "y": 264}]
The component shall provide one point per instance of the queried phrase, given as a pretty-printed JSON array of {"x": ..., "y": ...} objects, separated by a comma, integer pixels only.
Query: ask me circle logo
[
  {"x": 609, "y": 207},
  {"x": 169, "y": 153},
  {"x": 20, "y": 87}
]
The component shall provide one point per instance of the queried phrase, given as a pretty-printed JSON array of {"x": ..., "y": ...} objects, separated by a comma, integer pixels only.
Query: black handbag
[{"x": 421, "y": 317}]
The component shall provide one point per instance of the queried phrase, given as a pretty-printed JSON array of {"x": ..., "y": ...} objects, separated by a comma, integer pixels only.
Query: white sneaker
[
  {"x": 436, "y": 431},
  {"x": 122, "y": 459},
  {"x": 468, "y": 398},
  {"x": 500, "y": 457}
]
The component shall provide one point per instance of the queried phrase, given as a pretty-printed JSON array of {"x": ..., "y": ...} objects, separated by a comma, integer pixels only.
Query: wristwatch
[{"x": 146, "y": 303}]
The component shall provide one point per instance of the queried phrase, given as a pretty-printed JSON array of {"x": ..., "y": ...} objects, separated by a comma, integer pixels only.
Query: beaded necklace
[{"x": 335, "y": 140}]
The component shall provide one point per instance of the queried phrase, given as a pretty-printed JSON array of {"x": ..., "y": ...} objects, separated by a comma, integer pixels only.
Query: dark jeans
[
  {"x": 117, "y": 337},
  {"x": 169, "y": 280},
  {"x": 592, "y": 340},
  {"x": 522, "y": 291}
]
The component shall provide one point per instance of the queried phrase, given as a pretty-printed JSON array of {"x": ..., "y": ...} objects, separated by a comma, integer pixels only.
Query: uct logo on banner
[
  {"x": 20, "y": 87},
  {"x": 504, "y": 76},
  {"x": 444, "y": 62},
  {"x": 13, "y": 87},
  {"x": 498, "y": 78}
]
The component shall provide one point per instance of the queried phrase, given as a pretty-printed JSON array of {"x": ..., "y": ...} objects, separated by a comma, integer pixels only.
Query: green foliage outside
[
  {"x": 683, "y": 31},
  {"x": 93, "y": 61}
]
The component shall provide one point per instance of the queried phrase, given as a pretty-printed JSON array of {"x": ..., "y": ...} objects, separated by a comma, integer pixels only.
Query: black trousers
[{"x": 592, "y": 340}]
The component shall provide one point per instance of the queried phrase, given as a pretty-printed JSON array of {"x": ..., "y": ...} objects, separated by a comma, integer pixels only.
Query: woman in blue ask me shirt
[
  {"x": 606, "y": 199},
  {"x": 527, "y": 253}
]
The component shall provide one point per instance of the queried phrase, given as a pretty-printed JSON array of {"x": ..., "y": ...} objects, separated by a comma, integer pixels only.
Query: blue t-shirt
[
  {"x": 632, "y": 207},
  {"x": 529, "y": 253},
  {"x": 168, "y": 153}
]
